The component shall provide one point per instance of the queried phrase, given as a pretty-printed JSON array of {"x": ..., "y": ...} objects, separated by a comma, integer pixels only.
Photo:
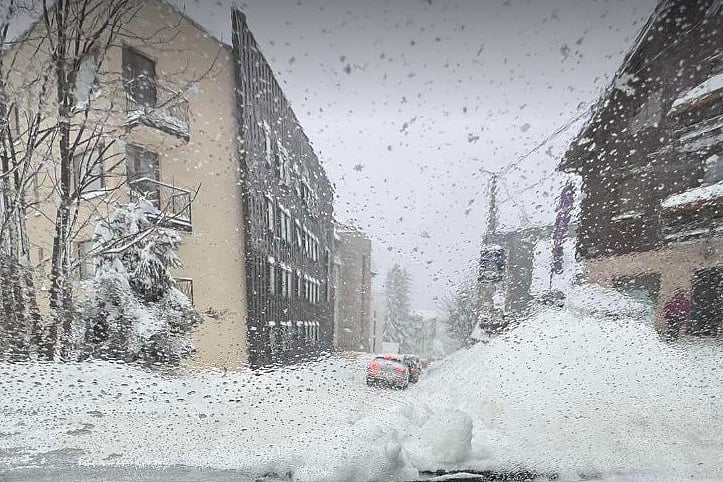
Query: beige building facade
[
  {"x": 173, "y": 136},
  {"x": 354, "y": 328},
  {"x": 658, "y": 274}
]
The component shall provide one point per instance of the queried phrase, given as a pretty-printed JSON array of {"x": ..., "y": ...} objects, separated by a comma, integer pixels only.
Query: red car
[{"x": 388, "y": 370}]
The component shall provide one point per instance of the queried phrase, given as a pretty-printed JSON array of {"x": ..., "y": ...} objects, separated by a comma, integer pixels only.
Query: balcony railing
[
  {"x": 696, "y": 213},
  {"x": 173, "y": 202},
  {"x": 185, "y": 286},
  {"x": 151, "y": 103}
]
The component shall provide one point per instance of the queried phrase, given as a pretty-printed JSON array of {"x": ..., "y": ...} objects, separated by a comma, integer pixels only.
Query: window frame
[
  {"x": 127, "y": 53},
  {"x": 85, "y": 272}
]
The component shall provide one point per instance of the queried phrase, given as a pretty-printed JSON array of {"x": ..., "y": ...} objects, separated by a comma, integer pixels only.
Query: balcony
[
  {"x": 150, "y": 103},
  {"x": 173, "y": 203},
  {"x": 692, "y": 214}
]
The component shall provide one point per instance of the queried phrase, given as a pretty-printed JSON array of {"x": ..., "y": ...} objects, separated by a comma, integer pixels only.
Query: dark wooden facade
[
  {"x": 640, "y": 148},
  {"x": 288, "y": 216}
]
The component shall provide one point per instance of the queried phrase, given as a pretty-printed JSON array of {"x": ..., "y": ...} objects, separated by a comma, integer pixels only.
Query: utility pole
[{"x": 491, "y": 209}]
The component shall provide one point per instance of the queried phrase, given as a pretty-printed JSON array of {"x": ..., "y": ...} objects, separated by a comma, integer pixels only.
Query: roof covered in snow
[
  {"x": 695, "y": 195},
  {"x": 709, "y": 88}
]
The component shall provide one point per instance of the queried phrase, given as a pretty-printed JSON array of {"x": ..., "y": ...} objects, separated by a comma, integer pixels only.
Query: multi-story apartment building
[
  {"x": 353, "y": 322},
  {"x": 288, "y": 212},
  {"x": 202, "y": 130},
  {"x": 651, "y": 162}
]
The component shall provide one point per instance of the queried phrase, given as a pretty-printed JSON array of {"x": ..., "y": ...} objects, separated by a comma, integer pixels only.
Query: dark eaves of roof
[{"x": 575, "y": 152}]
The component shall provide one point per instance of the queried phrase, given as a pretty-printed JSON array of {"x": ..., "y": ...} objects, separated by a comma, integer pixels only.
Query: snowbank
[
  {"x": 592, "y": 394},
  {"x": 570, "y": 391}
]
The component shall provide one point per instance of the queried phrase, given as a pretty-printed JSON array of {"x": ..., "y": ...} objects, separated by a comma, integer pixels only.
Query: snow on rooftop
[
  {"x": 704, "y": 89},
  {"x": 697, "y": 194}
]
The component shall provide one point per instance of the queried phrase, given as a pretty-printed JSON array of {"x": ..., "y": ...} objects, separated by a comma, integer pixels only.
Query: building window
[
  {"x": 315, "y": 332},
  {"x": 650, "y": 114},
  {"x": 268, "y": 152},
  {"x": 306, "y": 194},
  {"x": 282, "y": 222},
  {"x": 713, "y": 169},
  {"x": 307, "y": 289},
  {"x": 86, "y": 80},
  {"x": 139, "y": 77},
  {"x": 299, "y": 235},
  {"x": 285, "y": 281},
  {"x": 707, "y": 302},
  {"x": 185, "y": 286},
  {"x": 492, "y": 264},
  {"x": 283, "y": 160},
  {"x": 270, "y": 218},
  {"x": 315, "y": 248},
  {"x": 88, "y": 172},
  {"x": 143, "y": 173},
  {"x": 311, "y": 245},
  {"x": 271, "y": 277},
  {"x": 285, "y": 224},
  {"x": 86, "y": 265},
  {"x": 311, "y": 290},
  {"x": 629, "y": 191},
  {"x": 298, "y": 293}
]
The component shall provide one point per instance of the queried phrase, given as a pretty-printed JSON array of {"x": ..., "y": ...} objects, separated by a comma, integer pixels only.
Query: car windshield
[{"x": 342, "y": 240}]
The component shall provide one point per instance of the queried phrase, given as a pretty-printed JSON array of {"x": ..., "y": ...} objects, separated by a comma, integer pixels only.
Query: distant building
[
  {"x": 651, "y": 162},
  {"x": 516, "y": 273},
  {"x": 506, "y": 276},
  {"x": 353, "y": 318}
]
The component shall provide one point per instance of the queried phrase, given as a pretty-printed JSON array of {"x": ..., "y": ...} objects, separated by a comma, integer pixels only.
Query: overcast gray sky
[{"x": 408, "y": 102}]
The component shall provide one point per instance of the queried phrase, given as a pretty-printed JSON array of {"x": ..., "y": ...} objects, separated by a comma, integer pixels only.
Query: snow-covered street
[
  {"x": 114, "y": 414},
  {"x": 568, "y": 392}
]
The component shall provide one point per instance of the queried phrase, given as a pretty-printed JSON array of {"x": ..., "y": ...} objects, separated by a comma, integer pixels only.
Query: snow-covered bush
[{"x": 131, "y": 309}]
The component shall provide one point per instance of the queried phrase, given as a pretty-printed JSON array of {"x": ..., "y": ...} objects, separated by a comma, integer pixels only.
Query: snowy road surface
[
  {"x": 567, "y": 392},
  {"x": 102, "y": 413}
]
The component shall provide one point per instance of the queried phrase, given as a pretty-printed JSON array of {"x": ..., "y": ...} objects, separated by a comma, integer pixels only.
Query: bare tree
[
  {"x": 77, "y": 33},
  {"x": 71, "y": 121},
  {"x": 20, "y": 133}
]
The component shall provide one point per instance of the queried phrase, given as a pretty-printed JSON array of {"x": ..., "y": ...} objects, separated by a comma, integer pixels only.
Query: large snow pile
[{"x": 580, "y": 393}]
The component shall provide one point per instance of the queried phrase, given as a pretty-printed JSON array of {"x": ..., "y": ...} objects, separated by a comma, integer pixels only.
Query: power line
[
  {"x": 557, "y": 132},
  {"x": 514, "y": 203},
  {"x": 591, "y": 110},
  {"x": 575, "y": 118}
]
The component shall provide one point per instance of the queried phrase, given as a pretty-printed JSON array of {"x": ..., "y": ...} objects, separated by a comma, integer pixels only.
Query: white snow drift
[{"x": 570, "y": 391}]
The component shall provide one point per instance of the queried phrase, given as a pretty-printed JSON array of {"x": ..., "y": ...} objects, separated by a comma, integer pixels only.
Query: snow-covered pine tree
[
  {"x": 397, "y": 326},
  {"x": 461, "y": 310},
  {"x": 131, "y": 309}
]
